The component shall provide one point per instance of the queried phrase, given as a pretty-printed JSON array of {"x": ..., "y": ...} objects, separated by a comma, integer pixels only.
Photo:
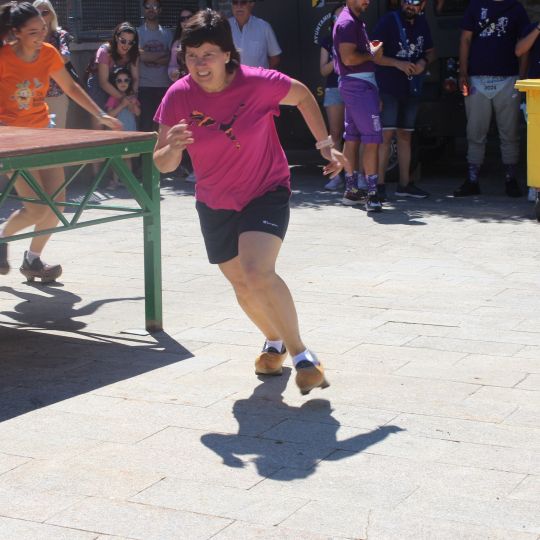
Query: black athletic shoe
[
  {"x": 536, "y": 208},
  {"x": 512, "y": 188},
  {"x": 467, "y": 189},
  {"x": 373, "y": 204},
  {"x": 4, "y": 264},
  {"x": 381, "y": 193},
  {"x": 410, "y": 190}
]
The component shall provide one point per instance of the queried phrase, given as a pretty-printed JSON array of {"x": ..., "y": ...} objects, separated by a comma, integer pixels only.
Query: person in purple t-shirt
[
  {"x": 354, "y": 61},
  {"x": 488, "y": 70},
  {"x": 408, "y": 49},
  {"x": 223, "y": 114}
]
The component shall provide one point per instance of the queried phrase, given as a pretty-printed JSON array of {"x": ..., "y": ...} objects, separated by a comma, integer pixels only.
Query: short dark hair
[
  {"x": 14, "y": 15},
  {"x": 208, "y": 26}
]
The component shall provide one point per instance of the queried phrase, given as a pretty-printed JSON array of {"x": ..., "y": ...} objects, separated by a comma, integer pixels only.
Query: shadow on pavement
[{"x": 313, "y": 430}]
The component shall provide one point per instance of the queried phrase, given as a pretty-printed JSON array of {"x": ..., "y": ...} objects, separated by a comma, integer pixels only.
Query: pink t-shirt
[{"x": 236, "y": 155}]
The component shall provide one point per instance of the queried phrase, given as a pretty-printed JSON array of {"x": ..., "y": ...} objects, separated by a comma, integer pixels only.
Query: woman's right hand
[
  {"x": 179, "y": 136},
  {"x": 111, "y": 122}
]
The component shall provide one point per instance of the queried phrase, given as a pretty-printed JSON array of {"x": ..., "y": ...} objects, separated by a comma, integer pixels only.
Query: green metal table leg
[{"x": 152, "y": 247}]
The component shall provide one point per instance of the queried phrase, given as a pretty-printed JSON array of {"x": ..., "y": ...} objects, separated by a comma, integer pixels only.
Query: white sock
[
  {"x": 31, "y": 256},
  {"x": 306, "y": 355},
  {"x": 278, "y": 345}
]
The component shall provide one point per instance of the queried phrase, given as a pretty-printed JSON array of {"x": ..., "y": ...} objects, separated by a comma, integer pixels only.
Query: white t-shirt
[{"x": 255, "y": 42}]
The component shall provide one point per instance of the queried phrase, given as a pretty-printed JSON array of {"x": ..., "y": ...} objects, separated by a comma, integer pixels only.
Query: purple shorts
[{"x": 362, "y": 110}]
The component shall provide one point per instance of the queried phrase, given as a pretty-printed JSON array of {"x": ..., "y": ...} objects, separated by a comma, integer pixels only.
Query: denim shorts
[
  {"x": 332, "y": 97},
  {"x": 399, "y": 113}
]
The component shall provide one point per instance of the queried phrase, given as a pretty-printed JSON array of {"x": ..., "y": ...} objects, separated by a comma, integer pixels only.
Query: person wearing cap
[
  {"x": 354, "y": 61},
  {"x": 488, "y": 70},
  {"x": 253, "y": 37},
  {"x": 408, "y": 49}
]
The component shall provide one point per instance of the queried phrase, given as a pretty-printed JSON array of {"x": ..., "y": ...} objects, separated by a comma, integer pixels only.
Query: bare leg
[
  {"x": 262, "y": 294},
  {"x": 336, "y": 118},
  {"x": 351, "y": 149},
  {"x": 404, "y": 156},
  {"x": 370, "y": 158},
  {"x": 384, "y": 153}
]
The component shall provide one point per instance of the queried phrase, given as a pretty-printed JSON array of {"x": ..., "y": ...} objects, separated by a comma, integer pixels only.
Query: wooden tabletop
[{"x": 15, "y": 141}]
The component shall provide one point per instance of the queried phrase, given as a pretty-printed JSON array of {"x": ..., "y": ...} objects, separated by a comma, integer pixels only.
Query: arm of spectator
[
  {"x": 103, "y": 77},
  {"x": 118, "y": 106},
  {"x": 63, "y": 40},
  {"x": 174, "y": 68},
  {"x": 272, "y": 46},
  {"x": 422, "y": 63},
  {"x": 79, "y": 96},
  {"x": 326, "y": 67},
  {"x": 350, "y": 55},
  {"x": 409, "y": 68},
  {"x": 464, "y": 49},
  {"x": 273, "y": 61},
  {"x": 159, "y": 58},
  {"x": 134, "y": 70},
  {"x": 525, "y": 44},
  {"x": 523, "y": 65}
]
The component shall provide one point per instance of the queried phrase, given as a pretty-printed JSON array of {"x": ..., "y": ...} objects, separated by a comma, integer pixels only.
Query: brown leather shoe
[
  {"x": 310, "y": 376},
  {"x": 270, "y": 361},
  {"x": 41, "y": 270}
]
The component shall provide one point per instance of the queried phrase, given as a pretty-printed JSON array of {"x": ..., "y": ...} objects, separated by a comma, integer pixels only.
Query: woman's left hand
[
  {"x": 111, "y": 122},
  {"x": 336, "y": 159}
]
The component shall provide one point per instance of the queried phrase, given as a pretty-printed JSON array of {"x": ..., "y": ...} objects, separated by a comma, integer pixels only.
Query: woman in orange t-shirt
[{"x": 26, "y": 64}]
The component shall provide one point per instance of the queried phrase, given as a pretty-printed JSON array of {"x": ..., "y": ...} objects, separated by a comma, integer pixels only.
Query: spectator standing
[
  {"x": 56, "y": 100},
  {"x": 333, "y": 102},
  {"x": 175, "y": 69},
  {"x": 121, "y": 50},
  {"x": 354, "y": 62},
  {"x": 528, "y": 48},
  {"x": 488, "y": 70},
  {"x": 253, "y": 37},
  {"x": 155, "y": 46},
  {"x": 408, "y": 49}
]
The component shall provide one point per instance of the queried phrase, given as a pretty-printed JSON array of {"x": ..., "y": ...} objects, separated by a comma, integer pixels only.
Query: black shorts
[{"x": 221, "y": 229}]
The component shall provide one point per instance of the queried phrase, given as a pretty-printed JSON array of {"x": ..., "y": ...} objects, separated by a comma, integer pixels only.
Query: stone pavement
[{"x": 428, "y": 320}]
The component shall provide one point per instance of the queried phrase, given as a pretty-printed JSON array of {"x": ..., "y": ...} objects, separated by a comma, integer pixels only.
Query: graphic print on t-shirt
[
  {"x": 25, "y": 96},
  {"x": 411, "y": 50},
  {"x": 498, "y": 28},
  {"x": 201, "y": 119}
]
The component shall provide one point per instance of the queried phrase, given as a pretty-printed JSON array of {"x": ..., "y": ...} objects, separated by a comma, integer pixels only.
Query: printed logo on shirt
[
  {"x": 376, "y": 119},
  {"x": 26, "y": 97},
  {"x": 266, "y": 222},
  {"x": 414, "y": 49},
  {"x": 154, "y": 46},
  {"x": 200, "y": 119},
  {"x": 498, "y": 28}
]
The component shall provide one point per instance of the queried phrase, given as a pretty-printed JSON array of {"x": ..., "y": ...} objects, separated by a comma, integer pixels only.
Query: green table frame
[{"x": 22, "y": 150}]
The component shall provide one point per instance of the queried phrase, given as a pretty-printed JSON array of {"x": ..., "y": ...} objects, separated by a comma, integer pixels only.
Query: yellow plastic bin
[{"x": 532, "y": 88}]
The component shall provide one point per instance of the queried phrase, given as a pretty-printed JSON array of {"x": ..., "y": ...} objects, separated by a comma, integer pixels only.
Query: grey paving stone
[
  {"x": 243, "y": 530},
  {"x": 137, "y": 521},
  {"x": 531, "y": 382},
  {"x": 389, "y": 525},
  {"x": 8, "y": 462},
  {"x": 32, "y": 503},
  {"x": 28, "y": 530},
  {"x": 528, "y": 490},
  {"x": 467, "y": 345},
  {"x": 215, "y": 500}
]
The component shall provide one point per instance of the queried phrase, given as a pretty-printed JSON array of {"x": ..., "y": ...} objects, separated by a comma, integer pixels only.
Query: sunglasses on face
[
  {"x": 45, "y": 12},
  {"x": 151, "y": 7},
  {"x": 120, "y": 81},
  {"x": 241, "y": 2},
  {"x": 125, "y": 41},
  {"x": 185, "y": 18}
]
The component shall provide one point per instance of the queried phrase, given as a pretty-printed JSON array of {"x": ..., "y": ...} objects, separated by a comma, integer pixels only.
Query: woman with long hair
[
  {"x": 56, "y": 100},
  {"x": 27, "y": 64},
  {"x": 175, "y": 70},
  {"x": 222, "y": 113},
  {"x": 122, "y": 50}
]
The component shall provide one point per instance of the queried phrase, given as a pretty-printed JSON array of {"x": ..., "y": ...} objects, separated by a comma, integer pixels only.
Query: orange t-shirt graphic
[{"x": 24, "y": 85}]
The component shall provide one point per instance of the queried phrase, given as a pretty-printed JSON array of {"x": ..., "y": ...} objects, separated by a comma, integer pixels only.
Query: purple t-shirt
[
  {"x": 390, "y": 79},
  {"x": 351, "y": 29},
  {"x": 492, "y": 47},
  {"x": 236, "y": 155},
  {"x": 534, "y": 53}
]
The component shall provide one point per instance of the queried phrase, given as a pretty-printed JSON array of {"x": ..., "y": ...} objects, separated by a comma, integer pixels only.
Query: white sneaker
[
  {"x": 335, "y": 183},
  {"x": 532, "y": 194}
]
